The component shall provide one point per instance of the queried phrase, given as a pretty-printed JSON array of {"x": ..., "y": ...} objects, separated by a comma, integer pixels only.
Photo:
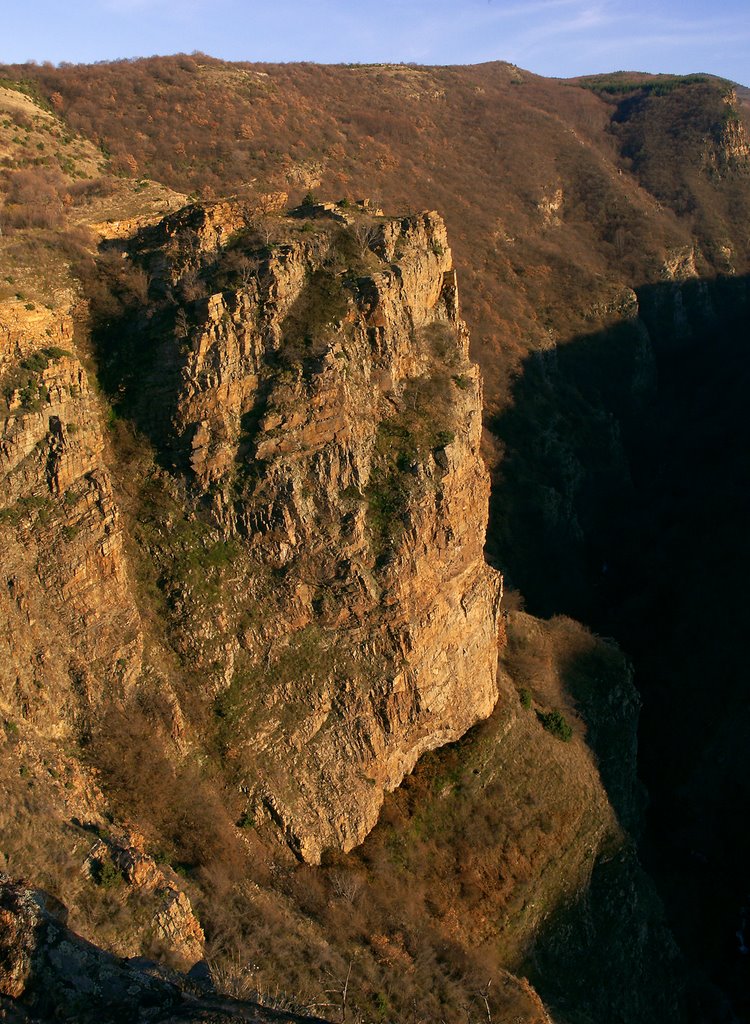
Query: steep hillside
[
  {"x": 231, "y": 633},
  {"x": 639, "y": 496},
  {"x": 555, "y": 194},
  {"x": 321, "y": 402}
]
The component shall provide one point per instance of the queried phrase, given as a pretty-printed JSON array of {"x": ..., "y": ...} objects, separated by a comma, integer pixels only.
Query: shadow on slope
[{"x": 623, "y": 500}]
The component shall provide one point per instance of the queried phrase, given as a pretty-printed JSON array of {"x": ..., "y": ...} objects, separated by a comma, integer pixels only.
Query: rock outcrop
[
  {"x": 324, "y": 408},
  {"x": 729, "y": 149},
  {"x": 174, "y": 924},
  {"x": 47, "y": 972},
  {"x": 317, "y": 422}
]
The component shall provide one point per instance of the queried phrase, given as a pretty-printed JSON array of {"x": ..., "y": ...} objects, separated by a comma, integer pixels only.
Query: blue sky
[{"x": 550, "y": 37}]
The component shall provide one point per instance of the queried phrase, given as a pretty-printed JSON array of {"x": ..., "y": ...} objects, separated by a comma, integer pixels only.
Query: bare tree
[
  {"x": 341, "y": 992},
  {"x": 264, "y": 226},
  {"x": 365, "y": 234},
  {"x": 484, "y": 995},
  {"x": 191, "y": 287},
  {"x": 140, "y": 282},
  {"x": 248, "y": 270},
  {"x": 347, "y": 885}
]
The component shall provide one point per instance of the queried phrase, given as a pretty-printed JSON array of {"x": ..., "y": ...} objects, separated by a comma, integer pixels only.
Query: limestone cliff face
[
  {"x": 729, "y": 149},
  {"x": 69, "y": 628},
  {"x": 316, "y": 423},
  {"x": 331, "y": 421}
]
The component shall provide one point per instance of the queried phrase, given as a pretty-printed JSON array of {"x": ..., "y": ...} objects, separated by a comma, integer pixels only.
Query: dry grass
[{"x": 32, "y": 136}]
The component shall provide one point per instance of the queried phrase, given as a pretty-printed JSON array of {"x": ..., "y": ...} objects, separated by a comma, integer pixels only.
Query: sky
[{"x": 559, "y": 38}]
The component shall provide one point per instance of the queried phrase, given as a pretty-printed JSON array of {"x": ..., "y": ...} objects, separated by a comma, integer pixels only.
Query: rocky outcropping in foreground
[{"x": 49, "y": 973}]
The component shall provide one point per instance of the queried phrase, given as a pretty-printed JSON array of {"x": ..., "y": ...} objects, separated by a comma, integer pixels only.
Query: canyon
[{"x": 265, "y": 703}]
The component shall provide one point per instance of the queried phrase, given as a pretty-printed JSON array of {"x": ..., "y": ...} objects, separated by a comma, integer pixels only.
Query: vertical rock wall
[
  {"x": 69, "y": 628},
  {"x": 332, "y": 420}
]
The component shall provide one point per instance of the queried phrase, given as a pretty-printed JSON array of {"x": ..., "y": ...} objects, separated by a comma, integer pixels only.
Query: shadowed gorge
[{"x": 627, "y": 512}]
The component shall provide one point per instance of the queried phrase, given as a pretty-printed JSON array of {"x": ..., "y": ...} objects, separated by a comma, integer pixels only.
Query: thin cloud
[
  {"x": 587, "y": 23},
  {"x": 508, "y": 11},
  {"x": 672, "y": 40},
  {"x": 474, "y": 27},
  {"x": 602, "y": 29}
]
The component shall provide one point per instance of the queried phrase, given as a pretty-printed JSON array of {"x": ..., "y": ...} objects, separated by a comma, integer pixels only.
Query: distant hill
[{"x": 556, "y": 194}]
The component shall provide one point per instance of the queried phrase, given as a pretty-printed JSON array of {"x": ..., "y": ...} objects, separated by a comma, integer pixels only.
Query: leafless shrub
[
  {"x": 140, "y": 282},
  {"x": 22, "y": 119},
  {"x": 339, "y": 992},
  {"x": 248, "y": 270},
  {"x": 235, "y": 976},
  {"x": 181, "y": 325},
  {"x": 95, "y": 187},
  {"x": 265, "y": 228},
  {"x": 191, "y": 287},
  {"x": 76, "y": 239},
  {"x": 178, "y": 808},
  {"x": 365, "y": 234},
  {"x": 346, "y": 885}
]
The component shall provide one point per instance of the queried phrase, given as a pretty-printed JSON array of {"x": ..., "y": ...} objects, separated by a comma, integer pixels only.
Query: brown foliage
[
  {"x": 179, "y": 807},
  {"x": 35, "y": 198},
  {"x": 481, "y": 144}
]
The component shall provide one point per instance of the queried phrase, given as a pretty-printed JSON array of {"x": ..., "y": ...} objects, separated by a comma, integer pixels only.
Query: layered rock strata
[{"x": 331, "y": 419}]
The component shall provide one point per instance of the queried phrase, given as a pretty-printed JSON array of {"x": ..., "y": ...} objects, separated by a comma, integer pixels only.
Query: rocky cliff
[
  {"x": 231, "y": 566},
  {"x": 323, "y": 412},
  {"x": 242, "y": 518},
  {"x": 312, "y": 404}
]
